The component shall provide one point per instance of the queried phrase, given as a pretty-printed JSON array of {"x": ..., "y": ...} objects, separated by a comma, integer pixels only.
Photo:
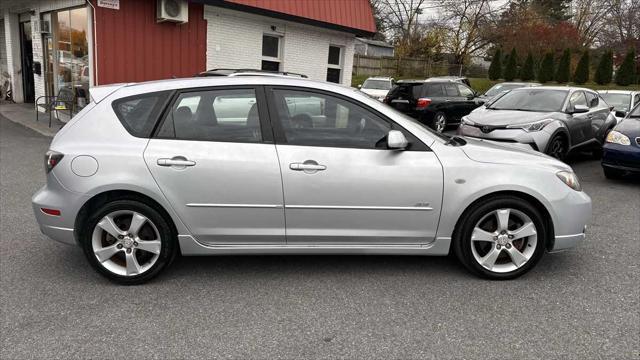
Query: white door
[
  {"x": 341, "y": 184},
  {"x": 212, "y": 164}
]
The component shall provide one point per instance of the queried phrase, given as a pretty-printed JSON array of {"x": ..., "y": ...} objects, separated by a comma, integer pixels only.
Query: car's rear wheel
[
  {"x": 558, "y": 147},
  {"x": 439, "y": 122},
  {"x": 501, "y": 238},
  {"x": 128, "y": 241}
]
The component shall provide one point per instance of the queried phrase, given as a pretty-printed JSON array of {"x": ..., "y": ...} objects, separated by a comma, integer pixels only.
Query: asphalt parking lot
[{"x": 578, "y": 304}]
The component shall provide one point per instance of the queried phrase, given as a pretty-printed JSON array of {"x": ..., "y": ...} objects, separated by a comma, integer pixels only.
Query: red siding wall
[{"x": 131, "y": 46}]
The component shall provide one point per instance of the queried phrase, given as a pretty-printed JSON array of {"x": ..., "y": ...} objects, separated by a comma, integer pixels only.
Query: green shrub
[
  {"x": 495, "y": 69},
  {"x": 564, "y": 67},
  {"x": 604, "y": 72},
  {"x": 626, "y": 74},
  {"x": 581, "y": 75},
  {"x": 511, "y": 70},
  {"x": 526, "y": 73},
  {"x": 545, "y": 73}
]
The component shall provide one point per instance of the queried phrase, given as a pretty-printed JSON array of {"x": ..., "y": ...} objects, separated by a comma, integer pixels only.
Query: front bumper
[
  {"x": 621, "y": 157},
  {"x": 54, "y": 196},
  {"x": 536, "y": 140},
  {"x": 570, "y": 217}
]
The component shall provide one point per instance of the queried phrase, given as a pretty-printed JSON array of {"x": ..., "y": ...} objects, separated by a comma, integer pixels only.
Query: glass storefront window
[{"x": 71, "y": 53}]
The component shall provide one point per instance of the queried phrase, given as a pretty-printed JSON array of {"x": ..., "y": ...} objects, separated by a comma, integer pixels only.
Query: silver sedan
[{"x": 269, "y": 165}]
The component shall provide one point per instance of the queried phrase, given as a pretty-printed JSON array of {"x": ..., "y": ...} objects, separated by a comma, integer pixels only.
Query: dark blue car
[{"x": 622, "y": 147}]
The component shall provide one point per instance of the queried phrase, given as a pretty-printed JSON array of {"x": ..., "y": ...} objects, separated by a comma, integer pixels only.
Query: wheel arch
[
  {"x": 560, "y": 131},
  {"x": 120, "y": 194},
  {"x": 549, "y": 241}
]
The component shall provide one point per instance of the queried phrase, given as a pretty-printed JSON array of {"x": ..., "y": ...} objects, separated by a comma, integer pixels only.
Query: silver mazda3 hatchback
[{"x": 269, "y": 165}]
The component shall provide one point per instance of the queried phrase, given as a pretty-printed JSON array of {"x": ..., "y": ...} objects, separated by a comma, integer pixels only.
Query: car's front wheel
[
  {"x": 128, "y": 241},
  {"x": 501, "y": 238},
  {"x": 558, "y": 147}
]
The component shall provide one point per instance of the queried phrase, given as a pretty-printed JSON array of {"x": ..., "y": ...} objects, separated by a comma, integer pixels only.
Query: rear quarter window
[{"x": 139, "y": 113}]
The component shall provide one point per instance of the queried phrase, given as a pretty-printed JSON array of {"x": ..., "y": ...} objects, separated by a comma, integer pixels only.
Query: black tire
[
  {"x": 168, "y": 242},
  {"x": 462, "y": 242},
  {"x": 558, "y": 147},
  {"x": 612, "y": 174},
  {"x": 439, "y": 122}
]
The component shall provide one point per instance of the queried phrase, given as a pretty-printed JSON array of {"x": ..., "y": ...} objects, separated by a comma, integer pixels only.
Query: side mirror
[
  {"x": 396, "y": 140},
  {"x": 359, "y": 86},
  {"x": 621, "y": 113},
  {"x": 579, "y": 109}
]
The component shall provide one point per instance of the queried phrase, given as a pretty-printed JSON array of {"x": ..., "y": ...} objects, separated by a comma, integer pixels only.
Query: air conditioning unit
[{"x": 173, "y": 10}]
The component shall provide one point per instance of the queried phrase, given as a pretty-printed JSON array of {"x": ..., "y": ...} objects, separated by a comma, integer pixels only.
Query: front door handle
[
  {"x": 176, "y": 161},
  {"x": 307, "y": 166}
]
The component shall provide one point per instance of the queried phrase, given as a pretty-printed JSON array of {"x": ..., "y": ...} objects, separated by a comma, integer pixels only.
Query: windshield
[
  {"x": 500, "y": 88},
  {"x": 377, "y": 84},
  {"x": 531, "y": 99},
  {"x": 620, "y": 102}
]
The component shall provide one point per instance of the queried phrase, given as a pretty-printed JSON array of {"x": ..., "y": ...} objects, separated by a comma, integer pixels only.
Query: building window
[
  {"x": 271, "y": 53},
  {"x": 334, "y": 69},
  {"x": 66, "y": 53}
]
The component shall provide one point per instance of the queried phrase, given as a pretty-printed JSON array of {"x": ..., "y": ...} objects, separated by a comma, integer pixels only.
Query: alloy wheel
[
  {"x": 504, "y": 240},
  {"x": 440, "y": 122},
  {"x": 126, "y": 243}
]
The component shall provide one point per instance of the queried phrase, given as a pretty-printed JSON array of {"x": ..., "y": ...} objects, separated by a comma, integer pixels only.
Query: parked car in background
[
  {"x": 437, "y": 104},
  {"x": 621, "y": 153},
  {"x": 552, "y": 120},
  {"x": 148, "y": 171},
  {"x": 458, "y": 79},
  {"x": 621, "y": 100},
  {"x": 377, "y": 87},
  {"x": 502, "y": 88}
]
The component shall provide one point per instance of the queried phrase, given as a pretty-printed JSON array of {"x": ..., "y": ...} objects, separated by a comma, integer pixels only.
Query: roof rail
[{"x": 248, "y": 72}]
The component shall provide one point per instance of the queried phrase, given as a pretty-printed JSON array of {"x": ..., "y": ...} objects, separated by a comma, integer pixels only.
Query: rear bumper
[{"x": 55, "y": 196}]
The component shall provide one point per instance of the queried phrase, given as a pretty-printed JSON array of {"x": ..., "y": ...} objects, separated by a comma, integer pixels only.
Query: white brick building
[{"x": 234, "y": 40}]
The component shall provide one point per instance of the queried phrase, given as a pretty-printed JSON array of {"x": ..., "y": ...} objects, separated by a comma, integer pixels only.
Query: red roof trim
[{"x": 355, "y": 16}]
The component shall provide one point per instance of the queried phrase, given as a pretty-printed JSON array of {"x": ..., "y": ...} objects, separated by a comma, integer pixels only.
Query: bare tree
[
  {"x": 464, "y": 21},
  {"x": 622, "y": 23},
  {"x": 589, "y": 18},
  {"x": 398, "y": 19}
]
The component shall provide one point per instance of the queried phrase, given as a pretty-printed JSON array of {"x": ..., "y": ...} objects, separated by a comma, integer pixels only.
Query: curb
[{"x": 43, "y": 133}]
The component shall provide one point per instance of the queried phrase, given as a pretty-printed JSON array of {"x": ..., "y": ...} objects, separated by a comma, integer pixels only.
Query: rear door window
[
  {"x": 139, "y": 114},
  {"x": 451, "y": 89},
  {"x": 434, "y": 90},
  {"x": 229, "y": 115}
]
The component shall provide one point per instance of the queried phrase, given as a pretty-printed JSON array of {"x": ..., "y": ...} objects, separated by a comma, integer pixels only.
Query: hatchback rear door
[{"x": 214, "y": 159}]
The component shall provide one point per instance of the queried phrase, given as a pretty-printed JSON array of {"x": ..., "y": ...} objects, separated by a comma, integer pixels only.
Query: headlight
[
  {"x": 570, "y": 179},
  {"x": 465, "y": 121},
  {"x": 534, "y": 126},
  {"x": 615, "y": 137}
]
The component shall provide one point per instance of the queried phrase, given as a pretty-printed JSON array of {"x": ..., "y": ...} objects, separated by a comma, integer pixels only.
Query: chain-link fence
[{"x": 399, "y": 67}]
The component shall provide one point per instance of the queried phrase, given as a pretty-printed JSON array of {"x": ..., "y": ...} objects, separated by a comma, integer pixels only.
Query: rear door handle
[{"x": 175, "y": 161}]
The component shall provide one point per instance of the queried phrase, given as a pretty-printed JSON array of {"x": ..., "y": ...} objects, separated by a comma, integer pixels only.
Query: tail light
[
  {"x": 423, "y": 103},
  {"x": 51, "y": 159}
]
